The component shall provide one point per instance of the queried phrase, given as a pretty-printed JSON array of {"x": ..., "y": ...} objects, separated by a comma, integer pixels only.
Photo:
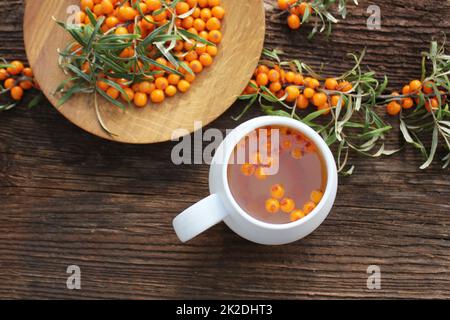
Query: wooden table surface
[{"x": 68, "y": 198}]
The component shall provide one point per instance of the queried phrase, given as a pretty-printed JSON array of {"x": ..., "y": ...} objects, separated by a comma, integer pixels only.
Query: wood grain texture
[
  {"x": 243, "y": 35},
  {"x": 67, "y": 197}
]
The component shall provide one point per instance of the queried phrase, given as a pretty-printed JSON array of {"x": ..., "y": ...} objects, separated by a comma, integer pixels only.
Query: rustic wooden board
[
  {"x": 243, "y": 32},
  {"x": 67, "y": 197}
]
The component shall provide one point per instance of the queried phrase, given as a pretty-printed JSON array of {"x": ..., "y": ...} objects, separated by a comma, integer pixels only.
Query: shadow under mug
[{"x": 221, "y": 205}]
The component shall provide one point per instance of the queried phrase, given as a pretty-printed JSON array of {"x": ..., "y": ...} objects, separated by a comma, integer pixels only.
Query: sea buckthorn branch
[
  {"x": 422, "y": 106},
  {"x": 138, "y": 50},
  {"x": 15, "y": 80},
  {"x": 301, "y": 12},
  {"x": 345, "y": 115}
]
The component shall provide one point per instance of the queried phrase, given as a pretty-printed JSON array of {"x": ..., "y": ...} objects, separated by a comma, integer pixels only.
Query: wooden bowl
[{"x": 211, "y": 94}]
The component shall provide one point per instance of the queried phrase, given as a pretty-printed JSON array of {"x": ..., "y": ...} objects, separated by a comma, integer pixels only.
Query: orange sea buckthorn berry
[
  {"x": 274, "y": 75},
  {"x": 15, "y": 68},
  {"x": 206, "y": 58},
  {"x": 292, "y": 93},
  {"x": 283, "y": 4},
  {"x": 87, "y": 4},
  {"x": 181, "y": 8},
  {"x": 189, "y": 77},
  {"x": 252, "y": 87},
  {"x": 28, "y": 72},
  {"x": 432, "y": 104},
  {"x": 3, "y": 74},
  {"x": 173, "y": 79},
  {"x": 160, "y": 17},
  {"x": 157, "y": 96},
  {"x": 272, "y": 205},
  {"x": 277, "y": 191},
  {"x": 215, "y": 36},
  {"x": 213, "y": 24},
  {"x": 192, "y": 3},
  {"x": 260, "y": 173},
  {"x": 331, "y": 84},
  {"x": 303, "y": 7},
  {"x": 196, "y": 13},
  {"x": 393, "y": 108},
  {"x": 309, "y": 207},
  {"x": 344, "y": 86},
  {"x": 98, "y": 10},
  {"x": 129, "y": 94},
  {"x": 325, "y": 107},
  {"x": 406, "y": 90},
  {"x": 247, "y": 169},
  {"x": 299, "y": 80},
  {"x": 171, "y": 90},
  {"x": 415, "y": 86},
  {"x": 161, "y": 83},
  {"x": 287, "y": 205},
  {"x": 111, "y": 22},
  {"x": 121, "y": 31},
  {"x": 297, "y": 215},
  {"x": 196, "y": 66},
  {"x": 17, "y": 93},
  {"x": 275, "y": 87},
  {"x": 297, "y": 153},
  {"x": 218, "y": 12},
  {"x": 262, "y": 79},
  {"x": 213, "y": 3},
  {"x": 302, "y": 102},
  {"x": 191, "y": 56},
  {"x": 206, "y": 14},
  {"x": 9, "y": 83},
  {"x": 309, "y": 93},
  {"x": 183, "y": 86},
  {"x": 428, "y": 87},
  {"x": 319, "y": 99},
  {"x": 280, "y": 94},
  {"x": 294, "y": 21},
  {"x": 262, "y": 69},
  {"x": 153, "y": 5},
  {"x": 145, "y": 87},
  {"x": 316, "y": 196},
  {"x": 127, "y": 53},
  {"x": 140, "y": 99},
  {"x": 407, "y": 103},
  {"x": 312, "y": 83},
  {"x": 187, "y": 22},
  {"x": 289, "y": 77},
  {"x": 286, "y": 144},
  {"x": 211, "y": 50},
  {"x": 113, "y": 93},
  {"x": 148, "y": 23},
  {"x": 126, "y": 13},
  {"x": 335, "y": 100},
  {"x": 26, "y": 84},
  {"x": 135, "y": 87},
  {"x": 199, "y": 25},
  {"x": 310, "y": 147},
  {"x": 107, "y": 7}
]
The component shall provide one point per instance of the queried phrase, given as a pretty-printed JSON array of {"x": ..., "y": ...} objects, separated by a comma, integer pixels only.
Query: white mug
[{"x": 221, "y": 206}]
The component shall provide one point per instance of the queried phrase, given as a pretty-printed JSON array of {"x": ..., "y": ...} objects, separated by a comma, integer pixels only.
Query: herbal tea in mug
[{"x": 277, "y": 175}]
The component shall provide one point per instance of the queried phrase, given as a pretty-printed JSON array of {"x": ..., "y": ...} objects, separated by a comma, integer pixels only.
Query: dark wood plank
[{"x": 70, "y": 198}]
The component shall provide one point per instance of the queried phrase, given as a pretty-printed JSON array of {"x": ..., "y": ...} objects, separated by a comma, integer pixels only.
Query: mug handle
[{"x": 199, "y": 218}]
